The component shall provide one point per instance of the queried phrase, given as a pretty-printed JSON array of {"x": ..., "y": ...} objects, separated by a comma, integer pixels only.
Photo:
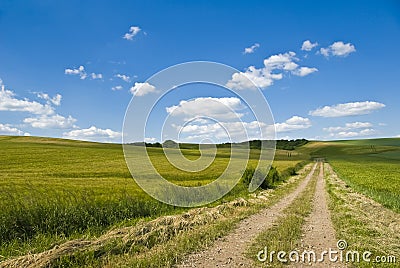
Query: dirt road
[
  {"x": 319, "y": 234},
  {"x": 228, "y": 251}
]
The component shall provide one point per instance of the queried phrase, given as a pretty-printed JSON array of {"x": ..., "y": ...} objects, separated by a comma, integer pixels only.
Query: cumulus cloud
[
  {"x": 352, "y": 134},
  {"x": 308, "y": 46},
  {"x": 116, "y": 88},
  {"x": 151, "y": 139},
  {"x": 133, "y": 30},
  {"x": 42, "y": 115},
  {"x": 96, "y": 76},
  {"x": 349, "y": 126},
  {"x": 253, "y": 78},
  {"x": 239, "y": 130},
  {"x": 350, "y": 130},
  {"x": 348, "y": 109},
  {"x": 53, "y": 121},
  {"x": 198, "y": 130},
  {"x": 80, "y": 71},
  {"x": 218, "y": 108},
  {"x": 250, "y": 50},
  {"x": 292, "y": 124},
  {"x": 124, "y": 77},
  {"x": 56, "y": 100},
  {"x": 9, "y": 102},
  {"x": 339, "y": 49},
  {"x": 281, "y": 61},
  {"x": 94, "y": 134},
  {"x": 6, "y": 129},
  {"x": 141, "y": 89},
  {"x": 303, "y": 71},
  {"x": 274, "y": 68}
]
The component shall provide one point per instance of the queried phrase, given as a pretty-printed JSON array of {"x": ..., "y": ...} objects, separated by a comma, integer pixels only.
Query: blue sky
[{"x": 341, "y": 84}]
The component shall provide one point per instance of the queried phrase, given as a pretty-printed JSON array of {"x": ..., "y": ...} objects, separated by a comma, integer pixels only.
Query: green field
[
  {"x": 368, "y": 166},
  {"x": 53, "y": 189}
]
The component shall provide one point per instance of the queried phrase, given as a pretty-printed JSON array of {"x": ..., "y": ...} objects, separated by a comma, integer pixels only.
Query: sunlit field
[
  {"x": 368, "y": 166},
  {"x": 55, "y": 189}
]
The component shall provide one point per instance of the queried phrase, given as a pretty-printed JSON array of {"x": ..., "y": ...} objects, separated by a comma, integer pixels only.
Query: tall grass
[
  {"x": 54, "y": 189},
  {"x": 370, "y": 167}
]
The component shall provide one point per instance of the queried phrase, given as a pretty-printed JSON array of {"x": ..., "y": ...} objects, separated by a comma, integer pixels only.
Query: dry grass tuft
[{"x": 145, "y": 234}]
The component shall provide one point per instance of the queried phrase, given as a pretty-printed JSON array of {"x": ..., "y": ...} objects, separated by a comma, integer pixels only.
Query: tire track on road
[{"x": 229, "y": 250}]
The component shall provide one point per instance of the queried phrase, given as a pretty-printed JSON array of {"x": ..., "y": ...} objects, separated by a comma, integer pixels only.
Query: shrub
[{"x": 268, "y": 180}]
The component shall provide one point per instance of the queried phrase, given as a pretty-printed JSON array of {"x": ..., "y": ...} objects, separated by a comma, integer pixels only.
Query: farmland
[
  {"x": 370, "y": 167},
  {"x": 53, "y": 190}
]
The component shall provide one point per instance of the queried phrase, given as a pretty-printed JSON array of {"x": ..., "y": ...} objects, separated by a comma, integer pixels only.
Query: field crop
[
  {"x": 370, "y": 167},
  {"x": 52, "y": 190}
]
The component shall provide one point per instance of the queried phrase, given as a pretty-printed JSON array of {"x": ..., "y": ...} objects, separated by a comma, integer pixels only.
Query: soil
[
  {"x": 228, "y": 251},
  {"x": 319, "y": 234}
]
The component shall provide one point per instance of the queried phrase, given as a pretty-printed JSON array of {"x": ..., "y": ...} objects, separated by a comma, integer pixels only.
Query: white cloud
[
  {"x": 347, "y": 109},
  {"x": 308, "y": 46},
  {"x": 123, "y": 77},
  {"x": 141, "y": 89},
  {"x": 8, "y": 102},
  {"x": 281, "y": 61},
  {"x": 80, "y": 71},
  {"x": 303, "y": 71},
  {"x": 152, "y": 140},
  {"x": 355, "y": 129},
  {"x": 45, "y": 113},
  {"x": 274, "y": 68},
  {"x": 324, "y": 51},
  {"x": 253, "y": 78},
  {"x": 133, "y": 30},
  {"x": 6, "y": 129},
  {"x": 117, "y": 88},
  {"x": 349, "y": 126},
  {"x": 216, "y": 108},
  {"x": 352, "y": 134},
  {"x": 339, "y": 49},
  {"x": 96, "y": 76},
  {"x": 56, "y": 100},
  {"x": 292, "y": 124},
  {"x": 398, "y": 136},
  {"x": 249, "y": 50},
  {"x": 53, "y": 121},
  {"x": 94, "y": 134},
  {"x": 198, "y": 130}
]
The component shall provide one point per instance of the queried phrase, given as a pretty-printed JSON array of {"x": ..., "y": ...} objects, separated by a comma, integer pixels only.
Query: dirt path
[
  {"x": 319, "y": 234},
  {"x": 228, "y": 251}
]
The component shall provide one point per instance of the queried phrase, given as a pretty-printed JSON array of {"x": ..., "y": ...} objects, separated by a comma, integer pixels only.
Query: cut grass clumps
[
  {"x": 133, "y": 239},
  {"x": 24, "y": 220},
  {"x": 53, "y": 190}
]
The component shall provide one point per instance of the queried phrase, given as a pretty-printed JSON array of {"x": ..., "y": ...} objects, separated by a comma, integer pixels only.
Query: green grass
[
  {"x": 368, "y": 166},
  {"x": 52, "y": 190},
  {"x": 172, "y": 251},
  {"x": 286, "y": 232},
  {"x": 364, "y": 225}
]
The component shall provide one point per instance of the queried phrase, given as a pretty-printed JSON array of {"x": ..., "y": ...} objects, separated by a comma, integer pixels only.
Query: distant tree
[{"x": 170, "y": 144}]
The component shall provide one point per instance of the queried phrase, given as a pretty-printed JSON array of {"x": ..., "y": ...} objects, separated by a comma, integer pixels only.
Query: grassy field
[
  {"x": 368, "y": 166},
  {"x": 52, "y": 190}
]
